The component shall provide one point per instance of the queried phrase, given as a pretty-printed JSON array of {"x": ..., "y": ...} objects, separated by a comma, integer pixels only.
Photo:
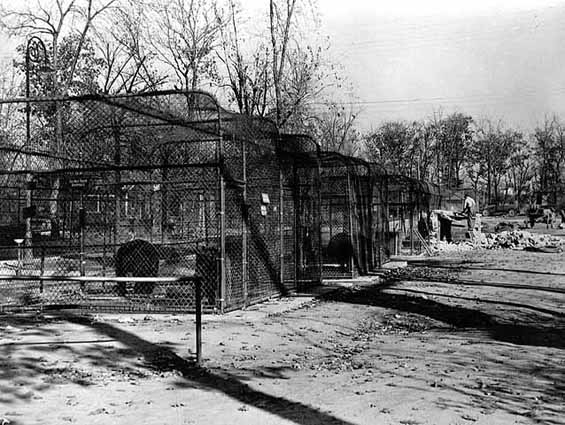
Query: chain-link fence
[
  {"x": 111, "y": 187},
  {"x": 411, "y": 203},
  {"x": 163, "y": 186},
  {"x": 156, "y": 185},
  {"x": 354, "y": 216}
]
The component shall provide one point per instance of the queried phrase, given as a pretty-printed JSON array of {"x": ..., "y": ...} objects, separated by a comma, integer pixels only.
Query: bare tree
[
  {"x": 298, "y": 76},
  {"x": 281, "y": 16},
  {"x": 521, "y": 167},
  {"x": 550, "y": 153},
  {"x": 186, "y": 35},
  {"x": 423, "y": 145},
  {"x": 392, "y": 146},
  {"x": 11, "y": 125},
  {"x": 303, "y": 85},
  {"x": 491, "y": 150},
  {"x": 127, "y": 58},
  {"x": 52, "y": 20},
  {"x": 247, "y": 72},
  {"x": 335, "y": 130},
  {"x": 453, "y": 135}
]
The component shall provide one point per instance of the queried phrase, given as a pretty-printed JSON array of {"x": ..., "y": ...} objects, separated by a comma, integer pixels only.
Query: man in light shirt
[{"x": 469, "y": 207}]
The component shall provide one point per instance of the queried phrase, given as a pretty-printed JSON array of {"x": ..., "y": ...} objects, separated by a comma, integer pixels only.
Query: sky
[{"x": 405, "y": 59}]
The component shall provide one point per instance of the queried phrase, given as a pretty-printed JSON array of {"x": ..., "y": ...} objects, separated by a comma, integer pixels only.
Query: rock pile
[
  {"x": 445, "y": 247},
  {"x": 511, "y": 239},
  {"x": 518, "y": 239}
]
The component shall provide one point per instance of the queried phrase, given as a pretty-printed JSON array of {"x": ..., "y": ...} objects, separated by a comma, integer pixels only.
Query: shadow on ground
[
  {"x": 523, "y": 376},
  {"x": 534, "y": 331},
  {"x": 139, "y": 358}
]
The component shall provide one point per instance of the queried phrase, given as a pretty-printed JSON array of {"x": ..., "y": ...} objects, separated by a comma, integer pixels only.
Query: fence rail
[{"x": 194, "y": 282}]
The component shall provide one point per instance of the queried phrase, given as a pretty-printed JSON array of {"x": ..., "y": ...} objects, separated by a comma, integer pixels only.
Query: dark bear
[
  {"x": 137, "y": 258},
  {"x": 340, "y": 250}
]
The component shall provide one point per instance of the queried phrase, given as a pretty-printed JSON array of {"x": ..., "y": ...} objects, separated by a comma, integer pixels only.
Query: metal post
[
  {"x": 35, "y": 52},
  {"x": 42, "y": 268},
  {"x": 82, "y": 219},
  {"x": 244, "y": 225},
  {"x": 29, "y": 177},
  {"x": 350, "y": 219},
  {"x": 104, "y": 230},
  {"x": 222, "y": 241},
  {"x": 118, "y": 190},
  {"x": 281, "y": 225},
  {"x": 412, "y": 230},
  {"x": 19, "y": 266},
  {"x": 319, "y": 216},
  {"x": 222, "y": 224},
  {"x": 198, "y": 294},
  {"x": 298, "y": 229}
]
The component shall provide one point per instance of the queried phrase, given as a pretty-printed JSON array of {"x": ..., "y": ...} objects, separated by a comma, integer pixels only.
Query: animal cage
[
  {"x": 115, "y": 202},
  {"x": 353, "y": 214},
  {"x": 153, "y": 185},
  {"x": 410, "y": 203}
]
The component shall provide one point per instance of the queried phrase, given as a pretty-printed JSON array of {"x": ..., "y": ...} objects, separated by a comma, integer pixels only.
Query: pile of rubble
[
  {"x": 443, "y": 246},
  {"x": 511, "y": 239},
  {"x": 518, "y": 239}
]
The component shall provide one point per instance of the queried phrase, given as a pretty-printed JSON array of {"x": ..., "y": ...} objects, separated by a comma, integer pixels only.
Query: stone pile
[
  {"x": 445, "y": 247},
  {"x": 511, "y": 239},
  {"x": 517, "y": 239}
]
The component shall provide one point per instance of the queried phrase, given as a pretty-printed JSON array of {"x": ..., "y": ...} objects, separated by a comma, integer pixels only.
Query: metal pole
[
  {"x": 222, "y": 241},
  {"x": 42, "y": 269},
  {"x": 412, "y": 230},
  {"x": 244, "y": 217},
  {"x": 222, "y": 224},
  {"x": 35, "y": 52},
  {"x": 82, "y": 219},
  {"x": 281, "y": 225},
  {"x": 298, "y": 229},
  {"x": 19, "y": 267},
  {"x": 29, "y": 177},
  {"x": 349, "y": 201},
  {"x": 319, "y": 216},
  {"x": 198, "y": 283}
]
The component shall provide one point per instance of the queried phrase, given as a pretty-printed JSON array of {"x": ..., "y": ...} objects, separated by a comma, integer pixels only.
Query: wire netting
[
  {"x": 169, "y": 184},
  {"x": 411, "y": 203}
]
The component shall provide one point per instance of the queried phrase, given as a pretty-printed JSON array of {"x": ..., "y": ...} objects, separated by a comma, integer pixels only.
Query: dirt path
[{"x": 480, "y": 343}]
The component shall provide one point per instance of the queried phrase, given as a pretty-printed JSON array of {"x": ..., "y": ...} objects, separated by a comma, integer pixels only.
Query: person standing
[{"x": 469, "y": 208}]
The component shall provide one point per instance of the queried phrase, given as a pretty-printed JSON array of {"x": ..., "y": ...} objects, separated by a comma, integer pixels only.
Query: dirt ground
[{"x": 474, "y": 338}]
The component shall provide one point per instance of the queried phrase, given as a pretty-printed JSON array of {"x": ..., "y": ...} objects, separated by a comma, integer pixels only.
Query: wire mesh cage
[
  {"x": 111, "y": 187},
  {"x": 154, "y": 185},
  {"x": 353, "y": 214},
  {"x": 411, "y": 203},
  {"x": 115, "y": 202}
]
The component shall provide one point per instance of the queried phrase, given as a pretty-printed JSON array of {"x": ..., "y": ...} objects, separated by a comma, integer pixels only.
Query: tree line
[{"x": 500, "y": 163}]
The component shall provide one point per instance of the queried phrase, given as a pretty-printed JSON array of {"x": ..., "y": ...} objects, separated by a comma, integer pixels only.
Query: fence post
[
  {"x": 349, "y": 200},
  {"x": 222, "y": 218},
  {"x": 244, "y": 219},
  {"x": 319, "y": 216},
  {"x": 412, "y": 230},
  {"x": 42, "y": 268},
  {"x": 198, "y": 283},
  {"x": 281, "y": 225},
  {"x": 82, "y": 218},
  {"x": 19, "y": 265}
]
